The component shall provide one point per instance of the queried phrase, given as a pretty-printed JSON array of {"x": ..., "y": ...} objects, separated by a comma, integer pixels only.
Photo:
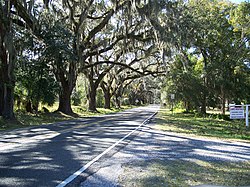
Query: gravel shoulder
[{"x": 158, "y": 158}]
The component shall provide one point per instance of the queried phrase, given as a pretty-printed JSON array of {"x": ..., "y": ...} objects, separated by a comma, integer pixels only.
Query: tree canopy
[{"x": 199, "y": 50}]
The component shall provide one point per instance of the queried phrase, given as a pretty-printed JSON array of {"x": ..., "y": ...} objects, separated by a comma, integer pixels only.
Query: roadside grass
[
  {"x": 203, "y": 126},
  {"x": 191, "y": 172},
  {"x": 185, "y": 173},
  {"x": 28, "y": 119},
  {"x": 24, "y": 119}
]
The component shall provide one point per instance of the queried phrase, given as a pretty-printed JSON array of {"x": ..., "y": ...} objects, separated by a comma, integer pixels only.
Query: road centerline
[{"x": 86, "y": 166}]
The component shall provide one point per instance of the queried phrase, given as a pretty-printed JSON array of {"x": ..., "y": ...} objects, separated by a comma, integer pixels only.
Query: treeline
[
  {"x": 46, "y": 45},
  {"x": 213, "y": 68}
]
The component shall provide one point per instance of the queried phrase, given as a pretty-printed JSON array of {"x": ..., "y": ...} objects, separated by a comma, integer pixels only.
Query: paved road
[
  {"x": 151, "y": 144},
  {"x": 47, "y": 155}
]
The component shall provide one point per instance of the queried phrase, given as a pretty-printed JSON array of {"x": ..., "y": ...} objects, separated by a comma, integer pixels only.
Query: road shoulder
[{"x": 156, "y": 158}]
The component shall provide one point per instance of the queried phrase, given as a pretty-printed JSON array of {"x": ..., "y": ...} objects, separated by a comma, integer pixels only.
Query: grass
[
  {"x": 185, "y": 173},
  {"x": 178, "y": 172},
  {"x": 27, "y": 120},
  {"x": 209, "y": 126}
]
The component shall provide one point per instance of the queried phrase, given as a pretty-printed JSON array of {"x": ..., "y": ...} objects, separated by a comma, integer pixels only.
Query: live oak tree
[
  {"x": 12, "y": 13},
  {"x": 141, "y": 47},
  {"x": 87, "y": 21},
  {"x": 124, "y": 34},
  {"x": 115, "y": 42},
  {"x": 78, "y": 39},
  {"x": 60, "y": 54}
]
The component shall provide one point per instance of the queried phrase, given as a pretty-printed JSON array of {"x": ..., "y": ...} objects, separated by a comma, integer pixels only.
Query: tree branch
[
  {"x": 114, "y": 63},
  {"x": 100, "y": 26}
]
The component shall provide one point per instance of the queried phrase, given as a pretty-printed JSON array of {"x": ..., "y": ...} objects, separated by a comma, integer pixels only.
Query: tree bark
[
  {"x": 204, "y": 94},
  {"x": 1, "y": 95},
  {"x": 65, "y": 96},
  {"x": 7, "y": 56},
  {"x": 67, "y": 80},
  {"x": 223, "y": 101},
  {"x": 8, "y": 110},
  {"x": 92, "y": 97},
  {"x": 107, "y": 96},
  {"x": 65, "y": 101},
  {"x": 203, "y": 109},
  {"x": 117, "y": 96},
  {"x": 28, "y": 106},
  {"x": 187, "y": 106},
  {"x": 107, "y": 100},
  {"x": 204, "y": 104}
]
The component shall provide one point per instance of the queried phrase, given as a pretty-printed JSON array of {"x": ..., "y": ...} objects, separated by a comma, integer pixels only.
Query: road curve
[{"x": 48, "y": 154}]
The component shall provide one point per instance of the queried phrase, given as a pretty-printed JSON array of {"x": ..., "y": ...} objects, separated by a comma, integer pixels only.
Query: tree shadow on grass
[
  {"x": 170, "y": 159},
  {"x": 187, "y": 123},
  {"x": 185, "y": 173}
]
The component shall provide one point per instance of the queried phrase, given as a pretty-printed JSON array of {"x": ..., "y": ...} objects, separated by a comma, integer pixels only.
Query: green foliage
[
  {"x": 35, "y": 81},
  {"x": 79, "y": 94},
  {"x": 59, "y": 40},
  {"x": 37, "y": 86},
  {"x": 240, "y": 18},
  {"x": 76, "y": 98},
  {"x": 216, "y": 69},
  {"x": 99, "y": 98},
  {"x": 208, "y": 42},
  {"x": 185, "y": 84}
]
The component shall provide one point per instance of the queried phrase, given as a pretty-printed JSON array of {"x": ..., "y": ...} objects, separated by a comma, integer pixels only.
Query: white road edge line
[{"x": 86, "y": 166}]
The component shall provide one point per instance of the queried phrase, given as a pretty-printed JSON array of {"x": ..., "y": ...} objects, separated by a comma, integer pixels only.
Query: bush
[
  {"x": 76, "y": 98},
  {"x": 99, "y": 98},
  {"x": 219, "y": 116}
]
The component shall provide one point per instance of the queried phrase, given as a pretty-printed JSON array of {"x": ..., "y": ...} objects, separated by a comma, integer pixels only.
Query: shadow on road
[
  {"x": 157, "y": 158},
  {"x": 46, "y": 155}
]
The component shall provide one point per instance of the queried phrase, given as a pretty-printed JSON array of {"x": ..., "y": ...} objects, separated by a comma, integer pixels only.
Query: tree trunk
[
  {"x": 187, "y": 106},
  {"x": 35, "y": 106},
  {"x": 28, "y": 106},
  {"x": 204, "y": 99},
  {"x": 107, "y": 96},
  {"x": 204, "y": 104},
  {"x": 7, "y": 58},
  {"x": 67, "y": 79},
  {"x": 8, "y": 109},
  {"x": 92, "y": 97},
  {"x": 93, "y": 85},
  {"x": 65, "y": 101},
  {"x": 1, "y": 96},
  {"x": 223, "y": 101},
  {"x": 204, "y": 94}
]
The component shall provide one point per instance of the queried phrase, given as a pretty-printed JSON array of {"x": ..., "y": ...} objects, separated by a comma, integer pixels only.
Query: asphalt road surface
[
  {"x": 49, "y": 154},
  {"x": 151, "y": 144}
]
